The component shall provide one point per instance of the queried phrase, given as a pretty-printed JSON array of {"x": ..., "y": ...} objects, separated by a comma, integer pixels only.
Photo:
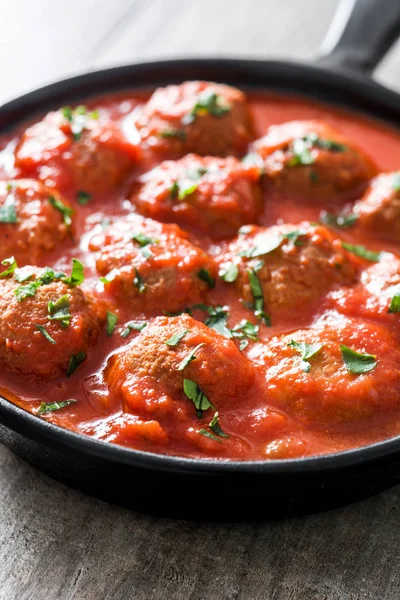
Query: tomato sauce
[{"x": 258, "y": 424}]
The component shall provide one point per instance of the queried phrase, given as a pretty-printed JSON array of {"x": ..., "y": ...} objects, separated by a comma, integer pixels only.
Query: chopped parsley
[
  {"x": 301, "y": 149},
  {"x": 133, "y": 325},
  {"x": 189, "y": 358},
  {"x": 208, "y": 103},
  {"x": 138, "y": 282},
  {"x": 216, "y": 430},
  {"x": 47, "y": 407},
  {"x": 45, "y": 333},
  {"x": 396, "y": 181},
  {"x": 394, "y": 306},
  {"x": 109, "y": 277},
  {"x": 342, "y": 220},
  {"x": 74, "y": 362},
  {"x": 182, "y": 189},
  {"x": 217, "y": 319},
  {"x": 230, "y": 273},
  {"x": 357, "y": 362},
  {"x": 59, "y": 310},
  {"x": 176, "y": 338},
  {"x": 268, "y": 245},
  {"x": 111, "y": 322},
  {"x": 77, "y": 274},
  {"x": 78, "y": 118},
  {"x": 173, "y": 133},
  {"x": 65, "y": 211},
  {"x": 206, "y": 276},
  {"x": 306, "y": 352},
  {"x": 245, "y": 331},
  {"x": 362, "y": 252},
  {"x": 47, "y": 277},
  {"x": 26, "y": 291},
  {"x": 8, "y": 213},
  {"x": 11, "y": 265},
  {"x": 83, "y": 197},
  {"x": 258, "y": 296},
  {"x": 197, "y": 396},
  {"x": 144, "y": 241}
]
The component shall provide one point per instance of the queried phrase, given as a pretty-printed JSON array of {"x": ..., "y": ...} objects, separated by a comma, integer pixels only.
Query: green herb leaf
[
  {"x": 133, "y": 325},
  {"x": 59, "y": 310},
  {"x": 11, "y": 265},
  {"x": 265, "y": 247},
  {"x": 47, "y": 407},
  {"x": 245, "y": 329},
  {"x": 301, "y": 153},
  {"x": 74, "y": 362},
  {"x": 8, "y": 213},
  {"x": 197, "y": 396},
  {"x": 109, "y": 277},
  {"x": 230, "y": 273},
  {"x": 111, "y": 322},
  {"x": 357, "y": 362},
  {"x": 177, "y": 337},
  {"x": 144, "y": 242},
  {"x": 66, "y": 211},
  {"x": 45, "y": 333},
  {"x": 173, "y": 133},
  {"x": 209, "y": 434},
  {"x": 258, "y": 295},
  {"x": 205, "y": 276},
  {"x": 394, "y": 306},
  {"x": 77, "y": 274},
  {"x": 362, "y": 252},
  {"x": 26, "y": 291},
  {"x": 343, "y": 220},
  {"x": 217, "y": 320},
  {"x": 189, "y": 358},
  {"x": 78, "y": 118},
  {"x": 306, "y": 352},
  {"x": 216, "y": 427},
  {"x": 208, "y": 103},
  {"x": 396, "y": 181},
  {"x": 138, "y": 282},
  {"x": 83, "y": 197}
]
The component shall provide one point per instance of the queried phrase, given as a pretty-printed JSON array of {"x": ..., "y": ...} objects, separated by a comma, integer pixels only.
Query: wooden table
[{"x": 59, "y": 544}]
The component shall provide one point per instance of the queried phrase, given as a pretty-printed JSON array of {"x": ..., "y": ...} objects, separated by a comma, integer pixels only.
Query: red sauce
[{"x": 259, "y": 426}]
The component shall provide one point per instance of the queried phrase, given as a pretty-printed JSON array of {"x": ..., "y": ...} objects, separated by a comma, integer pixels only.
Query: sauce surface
[{"x": 276, "y": 404}]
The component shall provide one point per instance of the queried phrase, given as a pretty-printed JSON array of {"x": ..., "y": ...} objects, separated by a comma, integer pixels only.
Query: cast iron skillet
[{"x": 362, "y": 32}]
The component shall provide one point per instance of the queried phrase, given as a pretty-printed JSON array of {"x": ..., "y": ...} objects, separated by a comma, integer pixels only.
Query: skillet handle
[{"x": 361, "y": 33}]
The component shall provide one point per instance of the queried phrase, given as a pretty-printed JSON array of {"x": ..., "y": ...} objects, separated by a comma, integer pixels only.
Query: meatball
[
  {"x": 149, "y": 374},
  {"x": 215, "y": 195},
  {"x": 321, "y": 389},
  {"x": 45, "y": 329},
  {"x": 76, "y": 147},
  {"x": 33, "y": 220},
  {"x": 310, "y": 159},
  {"x": 378, "y": 211},
  {"x": 152, "y": 266},
  {"x": 294, "y": 265},
  {"x": 196, "y": 116}
]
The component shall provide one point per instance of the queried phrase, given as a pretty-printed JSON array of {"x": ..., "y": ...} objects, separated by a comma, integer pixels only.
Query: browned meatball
[
  {"x": 196, "y": 116},
  {"x": 294, "y": 265},
  {"x": 310, "y": 159},
  {"x": 326, "y": 388},
  {"x": 33, "y": 220},
  {"x": 149, "y": 375},
  {"x": 379, "y": 210},
  {"x": 214, "y": 195},
  {"x": 34, "y": 337},
  {"x": 152, "y": 266},
  {"x": 76, "y": 147}
]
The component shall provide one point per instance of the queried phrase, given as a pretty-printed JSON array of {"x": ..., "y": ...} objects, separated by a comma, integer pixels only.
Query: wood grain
[{"x": 57, "y": 543}]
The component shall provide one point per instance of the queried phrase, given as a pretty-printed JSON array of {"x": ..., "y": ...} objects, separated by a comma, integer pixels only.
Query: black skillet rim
[{"x": 361, "y": 89}]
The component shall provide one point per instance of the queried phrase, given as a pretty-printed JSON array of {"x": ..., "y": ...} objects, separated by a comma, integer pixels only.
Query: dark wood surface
[{"x": 56, "y": 543}]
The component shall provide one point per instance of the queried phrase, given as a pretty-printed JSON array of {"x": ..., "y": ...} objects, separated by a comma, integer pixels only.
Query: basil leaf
[
  {"x": 394, "y": 306},
  {"x": 74, "y": 362},
  {"x": 357, "y": 362},
  {"x": 133, "y": 325},
  {"x": 197, "y": 396},
  {"x": 12, "y": 265},
  {"x": 343, "y": 220},
  {"x": 306, "y": 352},
  {"x": 258, "y": 295},
  {"x": 205, "y": 276},
  {"x": 45, "y": 333},
  {"x": 265, "y": 247},
  {"x": 66, "y": 211},
  {"x": 143, "y": 240},
  {"x": 189, "y": 358},
  {"x": 210, "y": 435},
  {"x": 83, "y": 197},
  {"x": 26, "y": 291},
  {"x": 109, "y": 277},
  {"x": 230, "y": 274},
  {"x": 176, "y": 338},
  {"x": 47, "y": 407},
  {"x": 138, "y": 282},
  {"x": 208, "y": 103},
  {"x": 59, "y": 310},
  {"x": 22, "y": 277},
  {"x": 362, "y": 252},
  {"x": 8, "y": 214},
  {"x": 77, "y": 274},
  {"x": 245, "y": 329},
  {"x": 217, "y": 320},
  {"x": 111, "y": 322},
  {"x": 216, "y": 427},
  {"x": 173, "y": 133}
]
